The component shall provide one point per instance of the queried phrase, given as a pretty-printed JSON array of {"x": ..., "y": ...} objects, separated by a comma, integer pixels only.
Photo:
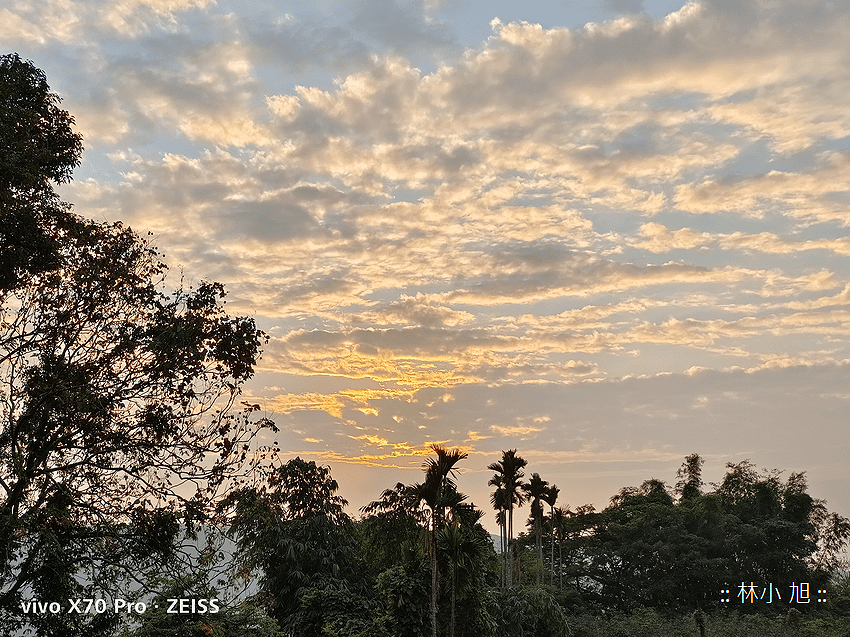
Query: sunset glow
[{"x": 607, "y": 236}]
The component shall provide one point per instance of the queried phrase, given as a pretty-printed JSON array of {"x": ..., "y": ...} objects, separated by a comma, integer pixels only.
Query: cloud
[
  {"x": 516, "y": 431},
  {"x": 791, "y": 117},
  {"x": 413, "y": 310},
  {"x": 818, "y": 194},
  {"x": 381, "y": 459},
  {"x": 334, "y": 404},
  {"x": 585, "y": 275},
  {"x": 39, "y": 23},
  {"x": 657, "y": 238},
  {"x": 133, "y": 18},
  {"x": 550, "y": 227},
  {"x": 478, "y": 181}
]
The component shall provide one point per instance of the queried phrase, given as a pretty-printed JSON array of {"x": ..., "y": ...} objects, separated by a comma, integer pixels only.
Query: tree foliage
[
  {"x": 395, "y": 515},
  {"x": 509, "y": 493},
  {"x": 647, "y": 550},
  {"x": 443, "y": 501},
  {"x": 432, "y": 523},
  {"x": 115, "y": 396},
  {"x": 689, "y": 477},
  {"x": 117, "y": 391},
  {"x": 464, "y": 550},
  {"x": 404, "y": 592},
  {"x": 38, "y": 148},
  {"x": 218, "y": 615},
  {"x": 528, "y": 611},
  {"x": 536, "y": 491},
  {"x": 550, "y": 497},
  {"x": 293, "y": 529}
]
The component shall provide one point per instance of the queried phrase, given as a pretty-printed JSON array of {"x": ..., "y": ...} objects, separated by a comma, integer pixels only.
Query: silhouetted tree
[
  {"x": 116, "y": 390},
  {"x": 647, "y": 550},
  {"x": 38, "y": 148},
  {"x": 550, "y": 498},
  {"x": 499, "y": 500},
  {"x": 464, "y": 550},
  {"x": 395, "y": 515},
  {"x": 439, "y": 494},
  {"x": 689, "y": 477},
  {"x": 509, "y": 476},
  {"x": 295, "y": 531},
  {"x": 535, "y": 490}
]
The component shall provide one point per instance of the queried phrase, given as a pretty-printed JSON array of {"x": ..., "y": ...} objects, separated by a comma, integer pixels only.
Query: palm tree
[
  {"x": 559, "y": 524},
  {"x": 500, "y": 504},
  {"x": 439, "y": 493},
  {"x": 535, "y": 490},
  {"x": 463, "y": 550},
  {"x": 510, "y": 471},
  {"x": 550, "y": 497}
]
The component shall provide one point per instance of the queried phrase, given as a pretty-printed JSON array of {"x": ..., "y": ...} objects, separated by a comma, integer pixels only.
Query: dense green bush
[{"x": 651, "y": 623}]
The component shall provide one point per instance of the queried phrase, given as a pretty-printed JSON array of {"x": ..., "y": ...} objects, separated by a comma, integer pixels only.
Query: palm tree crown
[
  {"x": 535, "y": 490},
  {"x": 509, "y": 478},
  {"x": 439, "y": 493},
  {"x": 550, "y": 497}
]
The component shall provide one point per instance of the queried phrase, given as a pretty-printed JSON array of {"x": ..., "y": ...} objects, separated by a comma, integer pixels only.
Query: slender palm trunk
[
  {"x": 552, "y": 550},
  {"x": 538, "y": 533},
  {"x": 433, "y": 583},
  {"x": 454, "y": 594},
  {"x": 510, "y": 548},
  {"x": 503, "y": 539},
  {"x": 560, "y": 563}
]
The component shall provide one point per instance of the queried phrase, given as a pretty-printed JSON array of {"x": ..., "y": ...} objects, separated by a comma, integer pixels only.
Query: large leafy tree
[
  {"x": 295, "y": 531},
  {"x": 117, "y": 391},
  {"x": 394, "y": 515},
  {"x": 648, "y": 550},
  {"x": 771, "y": 522},
  {"x": 643, "y": 552},
  {"x": 116, "y": 407},
  {"x": 38, "y": 148}
]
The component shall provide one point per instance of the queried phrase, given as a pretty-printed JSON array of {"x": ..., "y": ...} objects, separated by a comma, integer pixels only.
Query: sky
[{"x": 607, "y": 234}]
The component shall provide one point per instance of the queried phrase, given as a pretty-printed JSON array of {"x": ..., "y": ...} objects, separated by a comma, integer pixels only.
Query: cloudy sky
[{"x": 607, "y": 233}]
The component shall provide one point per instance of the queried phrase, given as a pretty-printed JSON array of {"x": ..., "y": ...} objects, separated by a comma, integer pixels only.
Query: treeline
[{"x": 418, "y": 562}]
